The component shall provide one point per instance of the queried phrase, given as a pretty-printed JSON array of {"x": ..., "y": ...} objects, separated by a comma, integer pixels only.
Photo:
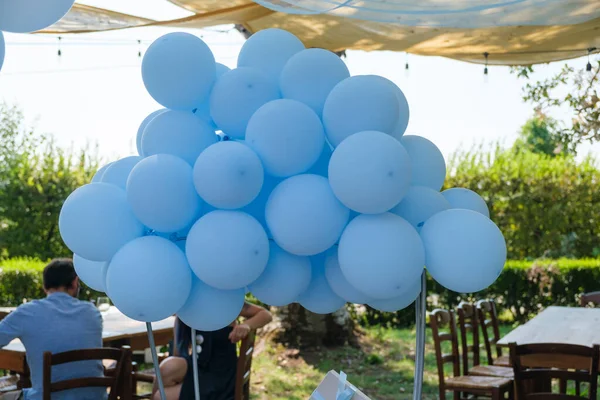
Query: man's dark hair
[{"x": 59, "y": 273}]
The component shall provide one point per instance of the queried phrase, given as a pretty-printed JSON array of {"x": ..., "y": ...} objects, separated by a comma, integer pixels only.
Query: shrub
[
  {"x": 523, "y": 289},
  {"x": 21, "y": 279}
]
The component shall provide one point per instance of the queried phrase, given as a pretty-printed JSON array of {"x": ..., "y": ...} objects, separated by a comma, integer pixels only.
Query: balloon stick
[
  {"x": 420, "y": 308},
  {"x": 161, "y": 387},
  {"x": 195, "y": 364}
]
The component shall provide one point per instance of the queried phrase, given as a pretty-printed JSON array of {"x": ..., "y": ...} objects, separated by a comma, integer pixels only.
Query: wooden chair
[
  {"x": 488, "y": 320},
  {"x": 244, "y": 367},
  {"x": 119, "y": 381},
  {"x": 590, "y": 298},
  {"x": 494, "y": 387},
  {"x": 136, "y": 377},
  {"x": 534, "y": 382},
  {"x": 468, "y": 326}
]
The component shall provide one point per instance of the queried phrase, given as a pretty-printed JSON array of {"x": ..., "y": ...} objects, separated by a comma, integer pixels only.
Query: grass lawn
[{"x": 382, "y": 368}]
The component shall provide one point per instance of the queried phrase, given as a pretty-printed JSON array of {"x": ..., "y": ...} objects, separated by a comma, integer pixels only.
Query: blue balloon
[
  {"x": 25, "y": 16},
  {"x": 338, "y": 282},
  {"x": 2, "y": 50},
  {"x": 161, "y": 192},
  {"x": 179, "y": 70},
  {"x": 140, "y": 132},
  {"x": 285, "y": 278},
  {"x": 399, "y": 302},
  {"x": 370, "y": 172},
  {"x": 118, "y": 172},
  {"x": 403, "y": 112},
  {"x": 149, "y": 279},
  {"x": 428, "y": 165},
  {"x": 287, "y": 136},
  {"x": 304, "y": 216},
  {"x": 221, "y": 69},
  {"x": 92, "y": 273},
  {"x": 319, "y": 298},
  {"x": 419, "y": 204},
  {"x": 380, "y": 254},
  {"x": 257, "y": 207},
  {"x": 464, "y": 250},
  {"x": 360, "y": 103},
  {"x": 236, "y": 96},
  {"x": 209, "y": 309},
  {"x": 321, "y": 166},
  {"x": 269, "y": 50},
  {"x": 227, "y": 249},
  {"x": 310, "y": 75},
  {"x": 228, "y": 175},
  {"x": 179, "y": 133},
  {"x": 203, "y": 109},
  {"x": 100, "y": 173},
  {"x": 95, "y": 221},
  {"x": 467, "y": 199}
]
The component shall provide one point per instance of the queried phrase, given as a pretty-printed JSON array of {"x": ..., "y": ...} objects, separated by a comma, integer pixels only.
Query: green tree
[
  {"x": 540, "y": 135},
  {"x": 573, "y": 89},
  {"x": 36, "y": 177}
]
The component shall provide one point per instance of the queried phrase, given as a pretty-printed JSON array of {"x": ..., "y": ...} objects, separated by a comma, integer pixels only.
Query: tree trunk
[{"x": 295, "y": 326}]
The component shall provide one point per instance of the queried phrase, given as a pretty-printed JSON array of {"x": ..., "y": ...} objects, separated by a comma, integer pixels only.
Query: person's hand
[{"x": 239, "y": 332}]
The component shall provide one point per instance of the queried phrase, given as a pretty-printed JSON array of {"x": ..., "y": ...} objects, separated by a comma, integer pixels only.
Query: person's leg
[
  {"x": 172, "y": 393},
  {"x": 173, "y": 371}
]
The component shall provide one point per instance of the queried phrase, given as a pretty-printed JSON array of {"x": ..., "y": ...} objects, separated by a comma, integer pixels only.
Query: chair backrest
[
  {"x": 443, "y": 328},
  {"x": 468, "y": 326},
  {"x": 244, "y": 367},
  {"x": 488, "y": 321},
  {"x": 119, "y": 382},
  {"x": 590, "y": 298},
  {"x": 557, "y": 359}
]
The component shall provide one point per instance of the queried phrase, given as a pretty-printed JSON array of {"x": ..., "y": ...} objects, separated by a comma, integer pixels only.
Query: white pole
[
  {"x": 420, "y": 311},
  {"x": 195, "y": 364},
  {"x": 161, "y": 387}
]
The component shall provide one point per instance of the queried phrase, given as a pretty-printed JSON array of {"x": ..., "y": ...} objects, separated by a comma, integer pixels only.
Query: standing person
[
  {"x": 217, "y": 362},
  {"x": 60, "y": 322}
]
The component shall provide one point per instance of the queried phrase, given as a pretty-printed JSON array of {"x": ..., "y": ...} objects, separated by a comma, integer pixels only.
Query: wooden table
[
  {"x": 117, "y": 330},
  {"x": 566, "y": 325}
]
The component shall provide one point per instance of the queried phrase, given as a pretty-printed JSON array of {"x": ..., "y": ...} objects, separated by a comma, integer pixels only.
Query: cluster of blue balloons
[
  {"x": 25, "y": 16},
  {"x": 285, "y": 177}
]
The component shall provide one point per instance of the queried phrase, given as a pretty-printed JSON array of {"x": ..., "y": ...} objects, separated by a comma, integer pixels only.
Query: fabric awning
[{"x": 505, "y": 45}]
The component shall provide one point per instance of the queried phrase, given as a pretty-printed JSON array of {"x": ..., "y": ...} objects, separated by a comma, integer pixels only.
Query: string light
[
  {"x": 485, "y": 69},
  {"x": 59, "y": 50},
  {"x": 139, "y": 48},
  {"x": 588, "y": 67}
]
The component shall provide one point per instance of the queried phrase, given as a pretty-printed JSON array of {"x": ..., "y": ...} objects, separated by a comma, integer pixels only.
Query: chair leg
[
  {"x": 562, "y": 386},
  {"x": 496, "y": 394}
]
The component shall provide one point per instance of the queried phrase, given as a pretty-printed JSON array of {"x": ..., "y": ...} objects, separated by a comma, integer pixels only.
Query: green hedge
[
  {"x": 523, "y": 289},
  {"x": 21, "y": 279}
]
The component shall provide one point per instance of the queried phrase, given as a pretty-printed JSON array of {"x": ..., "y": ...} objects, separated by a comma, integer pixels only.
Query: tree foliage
[
  {"x": 36, "y": 177},
  {"x": 575, "y": 89},
  {"x": 540, "y": 135},
  {"x": 545, "y": 205}
]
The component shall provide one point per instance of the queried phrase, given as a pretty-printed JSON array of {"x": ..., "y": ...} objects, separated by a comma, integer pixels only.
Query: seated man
[{"x": 58, "y": 323}]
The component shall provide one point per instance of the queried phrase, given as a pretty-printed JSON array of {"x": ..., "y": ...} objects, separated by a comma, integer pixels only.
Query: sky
[{"x": 93, "y": 93}]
